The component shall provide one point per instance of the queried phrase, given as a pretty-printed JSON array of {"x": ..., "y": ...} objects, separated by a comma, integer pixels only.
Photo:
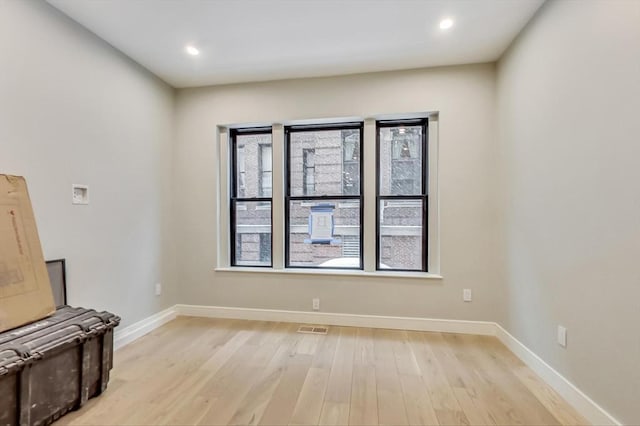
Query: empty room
[{"x": 319, "y": 212}]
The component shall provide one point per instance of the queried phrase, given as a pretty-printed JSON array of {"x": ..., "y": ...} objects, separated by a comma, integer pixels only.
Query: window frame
[
  {"x": 233, "y": 187},
  {"x": 287, "y": 189},
  {"x": 424, "y": 196}
]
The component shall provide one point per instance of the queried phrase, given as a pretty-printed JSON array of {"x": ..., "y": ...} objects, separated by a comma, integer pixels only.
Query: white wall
[
  {"x": 73, "y": 110},
  {"x": 464, "y": 96},
  {"x": 569, "y": 105}
]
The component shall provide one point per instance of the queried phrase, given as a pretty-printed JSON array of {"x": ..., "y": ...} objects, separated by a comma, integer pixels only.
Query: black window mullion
[
  {"x": 287, "y": 174},
  {"x": 402, "y": 122},
  {"x": 234, "y": 193},
  {"x": 425, "y": 192},
  {"x": 232, "y": 223},
  {"x": 425, "y": 234},
  {"x": 253, "y": 200},
  {"x": 234, "y": 164},
  {"x": 325, "y": 127},
  {"x": 287, "y": 194},
  {"x": 252, "y": 130},
  {"x": 401, "y": 197},
  {"x": 287, "y": 239},
  {"x": 323, "y": 197}
]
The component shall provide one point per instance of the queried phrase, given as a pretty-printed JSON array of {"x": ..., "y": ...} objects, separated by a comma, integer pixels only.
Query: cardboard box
[{"x": 25, "y": 291}]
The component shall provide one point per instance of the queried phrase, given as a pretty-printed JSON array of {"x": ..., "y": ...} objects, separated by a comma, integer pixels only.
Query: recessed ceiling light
[
  {"x": 445, "y": 24},
  {"x": 191, "y": 50}
]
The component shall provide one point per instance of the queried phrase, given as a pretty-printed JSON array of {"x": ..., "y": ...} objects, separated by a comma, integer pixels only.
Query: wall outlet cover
[
  {"x": 562, "y": 336},
  {"x": 466, "y": 295},
  {"x": 79, "y": 194}
]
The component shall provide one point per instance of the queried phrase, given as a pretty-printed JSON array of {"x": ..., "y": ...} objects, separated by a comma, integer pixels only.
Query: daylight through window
[
  {"x": 320, "y": 201},
  {"x": 401, "y": 241},
  {"x": 323, "y": 199},
  {"x": 251, "y": 201}
]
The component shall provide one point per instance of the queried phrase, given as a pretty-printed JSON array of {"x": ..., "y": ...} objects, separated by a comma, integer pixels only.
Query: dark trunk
[{"x": 52, "y": 366}]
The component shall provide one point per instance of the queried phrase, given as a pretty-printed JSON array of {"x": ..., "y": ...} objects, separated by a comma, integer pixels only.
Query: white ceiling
[{"x": 256, "y": 40}]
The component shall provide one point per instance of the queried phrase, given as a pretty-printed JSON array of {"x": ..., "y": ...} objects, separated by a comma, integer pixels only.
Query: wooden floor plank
[
  {"x": 337, "y": 398},
  {"x": 334, "y": 414},
  {"x": 469, "y": 390},
  {"x": 363, "y": 409},
  {"x": 280, "y": 408},
  {"x": 309, "y": 404},
  {"x": 445, "y": 403},
  {"x": 418, "y": 404},
  {"x": 257, "y": 399},
  {"x": 391, "y": 408}
]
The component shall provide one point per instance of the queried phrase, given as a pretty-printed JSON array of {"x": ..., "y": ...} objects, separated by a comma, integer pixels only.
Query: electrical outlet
[
  {"x": 562, "y": 336},
  {"x": 466, "y": 295},
  {"x": 158, "y": 289},
  {"x": 316, "y": 304}
]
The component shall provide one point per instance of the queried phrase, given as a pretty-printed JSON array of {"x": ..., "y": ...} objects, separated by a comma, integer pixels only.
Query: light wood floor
[{"x": 206, "y": 371}]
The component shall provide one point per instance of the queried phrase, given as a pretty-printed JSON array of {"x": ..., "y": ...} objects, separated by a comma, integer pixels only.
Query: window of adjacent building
[
  {"x": 401, "y": 240},
  {"x": 241, "y": 172},
  {"x": 323, "y": 199},
  {"x": 351, "y": 162},
  {"x": 309, "y": 171},
  {"x": 251, "y": 203},
  {"x": 265, "y": 247},
  {"x": 266, "y": 179}
]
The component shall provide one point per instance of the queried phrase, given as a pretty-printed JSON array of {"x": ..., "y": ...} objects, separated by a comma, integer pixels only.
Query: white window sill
[{"x": 341, "y": 272}]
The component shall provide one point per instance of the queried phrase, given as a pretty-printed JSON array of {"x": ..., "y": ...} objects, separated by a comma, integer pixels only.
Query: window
[
  {"x": 308, "y": 179},
  {"x": 309, "y": 176},
  {"x": 265, "y": 248},
  {"x": 251, "y": 201},
  {"x": 323, "y": 200},
  {"x": 351, "y": 162},
  {"x": 241, "y": 172},
  {"x": 402, "y": 201},
  {"x": 265, "y": 170},
  {"x": 406, "y": 160},
  {"x": 351, "y": 246}
]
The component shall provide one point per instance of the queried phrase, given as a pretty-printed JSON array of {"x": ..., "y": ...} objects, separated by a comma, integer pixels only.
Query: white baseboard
[
  {"x": 348, "y": 320},
  {"x": 591, "y": 411},
  {"x": 574, "y": 396},
  {"x": 137, "y": 330}
]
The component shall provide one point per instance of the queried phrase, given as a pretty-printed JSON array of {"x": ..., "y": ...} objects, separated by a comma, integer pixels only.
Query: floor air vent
[{"x": 313, "y": 329}]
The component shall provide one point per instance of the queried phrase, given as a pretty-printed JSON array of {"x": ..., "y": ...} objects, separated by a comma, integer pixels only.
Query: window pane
[
  {"x": 265, "y": 170},
  {"x": 325, "y": 162},
  {"x": 324, "y": 233},
  {"x": 308, "y": 171},
  {"x": 254, "y": 165},
  {"x": 241, "y": 172},
  {"x": 253, "y": 233},
  {"x": 401, "y": 229},
  {"x": 400, "y": 160}
]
